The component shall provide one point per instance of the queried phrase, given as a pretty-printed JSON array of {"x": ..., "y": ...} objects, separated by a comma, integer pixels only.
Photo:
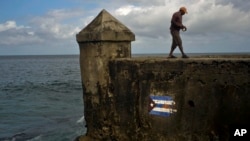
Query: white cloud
[
  {"x": 13, "y": 34},
  {"x": 57, "y": 23},
  {"x": 144, "y": 21},
  {"x": 210, "y": 22},
  {"x": 203, "y": 15},
  {"x": 11, "y": 25},
  {"x": 130, "y": 9},
  {"x": 7, "y": 25},
  {"x": 47, "y": 29},
  {"x": 210, "y": 17}
]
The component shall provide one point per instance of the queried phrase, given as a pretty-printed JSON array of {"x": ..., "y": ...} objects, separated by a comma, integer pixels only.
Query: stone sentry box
[
  {"x": 210, "y": 94},
  {"x": 104, "y": 39}
]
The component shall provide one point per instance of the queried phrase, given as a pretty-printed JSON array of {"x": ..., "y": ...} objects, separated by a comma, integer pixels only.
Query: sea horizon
[{"x": 143, "y": 54}]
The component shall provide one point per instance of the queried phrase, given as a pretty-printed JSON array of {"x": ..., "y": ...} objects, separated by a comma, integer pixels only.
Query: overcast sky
[{"x": 35, "y": 27}]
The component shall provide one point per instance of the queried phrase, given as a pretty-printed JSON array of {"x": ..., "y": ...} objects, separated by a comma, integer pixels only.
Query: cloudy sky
[{"x": 36, "y": 27}]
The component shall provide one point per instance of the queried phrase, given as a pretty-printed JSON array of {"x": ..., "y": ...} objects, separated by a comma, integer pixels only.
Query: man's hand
[{"x": 184, "y": 28}]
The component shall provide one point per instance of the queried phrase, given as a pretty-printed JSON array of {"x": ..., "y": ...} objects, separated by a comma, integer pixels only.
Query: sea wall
[
  {"x": 155, "y": 98},
  {"x": 210, "y": 96}
]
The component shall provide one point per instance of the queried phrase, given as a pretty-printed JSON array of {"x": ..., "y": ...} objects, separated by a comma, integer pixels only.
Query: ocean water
[{"x": 40, "y": 98}]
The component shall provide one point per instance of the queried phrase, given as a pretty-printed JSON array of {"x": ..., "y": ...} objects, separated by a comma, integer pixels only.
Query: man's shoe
[{"x": 185, "y": 56}]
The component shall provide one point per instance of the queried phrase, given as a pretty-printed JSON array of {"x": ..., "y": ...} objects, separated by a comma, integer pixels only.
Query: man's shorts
[{"x": 176, "y": 38}]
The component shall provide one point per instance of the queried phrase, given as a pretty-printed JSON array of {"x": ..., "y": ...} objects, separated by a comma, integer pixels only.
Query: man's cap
[{"x": 184, "y": 9}]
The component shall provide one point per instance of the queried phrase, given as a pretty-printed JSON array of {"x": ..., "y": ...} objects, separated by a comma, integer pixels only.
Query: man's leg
[
  {"x": 179, "y": 43},
  {"x": 173, "y": 46},
  {"x": 182, "y": 52}
]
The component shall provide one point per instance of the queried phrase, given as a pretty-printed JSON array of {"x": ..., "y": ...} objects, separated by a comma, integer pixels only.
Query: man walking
[{"x": 176, "y": 25}]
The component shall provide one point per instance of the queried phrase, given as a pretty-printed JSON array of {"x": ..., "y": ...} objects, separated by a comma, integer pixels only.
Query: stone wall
[
  {"x": 157, "y": 99},
  {"x": 211, "y": 95}
]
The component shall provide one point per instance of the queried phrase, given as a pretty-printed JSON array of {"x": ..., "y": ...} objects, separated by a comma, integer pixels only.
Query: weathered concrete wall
[
  {"x": 211, "y": 95},
  {"x": 95, "y": 78},
  {"x": 206, "y": 96}
]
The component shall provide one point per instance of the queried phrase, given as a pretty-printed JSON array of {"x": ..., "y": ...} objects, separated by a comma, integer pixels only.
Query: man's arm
[{"x": 177, "y": 20}]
